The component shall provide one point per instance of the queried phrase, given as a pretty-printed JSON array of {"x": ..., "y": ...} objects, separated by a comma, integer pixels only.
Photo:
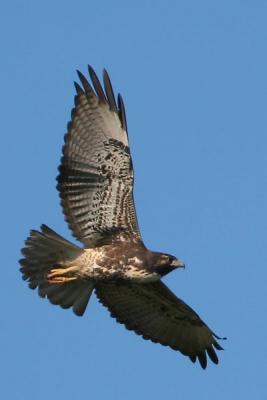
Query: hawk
[{"x": 95, "y": 184}]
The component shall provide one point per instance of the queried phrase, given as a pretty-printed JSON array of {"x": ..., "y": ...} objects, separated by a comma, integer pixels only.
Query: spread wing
[
  {"x": 153, "y": 311},
  {"x": 96, "y": 174}
]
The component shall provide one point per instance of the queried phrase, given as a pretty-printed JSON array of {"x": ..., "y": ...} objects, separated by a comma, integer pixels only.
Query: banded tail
[{"x": 45, "y": 251}]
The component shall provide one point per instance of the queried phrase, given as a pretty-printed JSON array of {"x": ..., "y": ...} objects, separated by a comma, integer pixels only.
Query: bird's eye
[{"x": 166, "y": 259}]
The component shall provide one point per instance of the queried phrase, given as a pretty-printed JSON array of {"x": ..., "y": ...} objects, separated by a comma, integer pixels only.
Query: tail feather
[
  {"x": 75, "y": 294},
  {"x": 44, "y": 250}
]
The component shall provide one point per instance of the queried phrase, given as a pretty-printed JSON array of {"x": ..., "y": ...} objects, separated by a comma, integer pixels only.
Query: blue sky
[{"x": 193, "y": 77}]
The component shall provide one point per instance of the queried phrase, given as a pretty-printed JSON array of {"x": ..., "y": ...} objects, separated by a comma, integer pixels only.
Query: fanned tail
[{"x": 45, "y": 251}]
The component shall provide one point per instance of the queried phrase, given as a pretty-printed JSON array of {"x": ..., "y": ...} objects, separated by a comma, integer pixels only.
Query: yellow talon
[{"x": 57, "y": 275}]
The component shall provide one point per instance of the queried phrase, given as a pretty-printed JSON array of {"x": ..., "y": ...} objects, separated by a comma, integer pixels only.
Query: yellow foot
[{"x": 60, "y": 275}]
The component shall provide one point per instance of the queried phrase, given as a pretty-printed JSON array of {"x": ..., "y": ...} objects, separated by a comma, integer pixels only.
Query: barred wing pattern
[
  {"x": 153, "y": 311},
  {"x": 96, "y": 173}
]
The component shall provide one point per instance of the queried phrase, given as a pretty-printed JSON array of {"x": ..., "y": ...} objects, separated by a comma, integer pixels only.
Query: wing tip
[
  {"x": 202, "y": 358},
  {"x": 78, "y": 88},
  {"x": 109, "y": 92},
  {"x": 86, "y": 85},
  {"x": 122, "y": 112},
  {"x": 104, "y": 93}
]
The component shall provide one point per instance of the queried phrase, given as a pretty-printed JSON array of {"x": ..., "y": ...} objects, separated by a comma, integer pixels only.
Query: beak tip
[{"x": 179, "y": 264}]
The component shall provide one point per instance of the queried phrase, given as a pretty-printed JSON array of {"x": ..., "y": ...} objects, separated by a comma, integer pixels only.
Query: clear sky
[{"x": 193, "y": 77}]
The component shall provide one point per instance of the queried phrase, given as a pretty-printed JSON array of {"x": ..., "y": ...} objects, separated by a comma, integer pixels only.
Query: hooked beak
[{"x": 178, "y": 263}]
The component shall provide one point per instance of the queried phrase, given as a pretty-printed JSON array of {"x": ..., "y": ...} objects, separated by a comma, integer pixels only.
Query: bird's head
[{"x": 166, "y": 263}]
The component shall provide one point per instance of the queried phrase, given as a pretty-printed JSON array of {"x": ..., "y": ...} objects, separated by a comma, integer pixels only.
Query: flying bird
[{"x": 95, "y": 184}]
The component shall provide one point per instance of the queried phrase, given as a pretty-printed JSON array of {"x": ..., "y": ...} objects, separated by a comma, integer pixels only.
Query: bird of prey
[{"x": 95, "y": 184}]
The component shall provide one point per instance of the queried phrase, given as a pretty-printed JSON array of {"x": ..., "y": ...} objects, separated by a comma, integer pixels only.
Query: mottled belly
[
  {"x": 94, "y": 264},
  {"x": 98, "y": 272}
]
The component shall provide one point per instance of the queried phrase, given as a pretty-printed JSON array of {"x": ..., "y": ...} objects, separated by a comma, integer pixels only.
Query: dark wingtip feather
[
  {"x": 122, "y": 112},
  {"x": 78, "y": 88},
  {"x": 212, "y": 355},
  {"x": 45, "y": 228},
  {"x": 97, "y": 85},
  {"x": 78, "y": 312},
  {"x": 202, "y": 358},
  {"x": 217, "y": 346},
  {"x": 218, "y": 337},
  {"x": 109, "y": 92},
  {"x": 193, "y": 358},
  {"x": 86, "y": 85},
  {"x": 105, "y": 95}
]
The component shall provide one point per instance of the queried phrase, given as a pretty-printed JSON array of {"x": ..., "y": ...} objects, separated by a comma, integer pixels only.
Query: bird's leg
[{"x": 61, "y": 275}]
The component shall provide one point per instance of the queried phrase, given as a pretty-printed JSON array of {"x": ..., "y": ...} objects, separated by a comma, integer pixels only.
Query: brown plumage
[{"x": 95, "y": 184}]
